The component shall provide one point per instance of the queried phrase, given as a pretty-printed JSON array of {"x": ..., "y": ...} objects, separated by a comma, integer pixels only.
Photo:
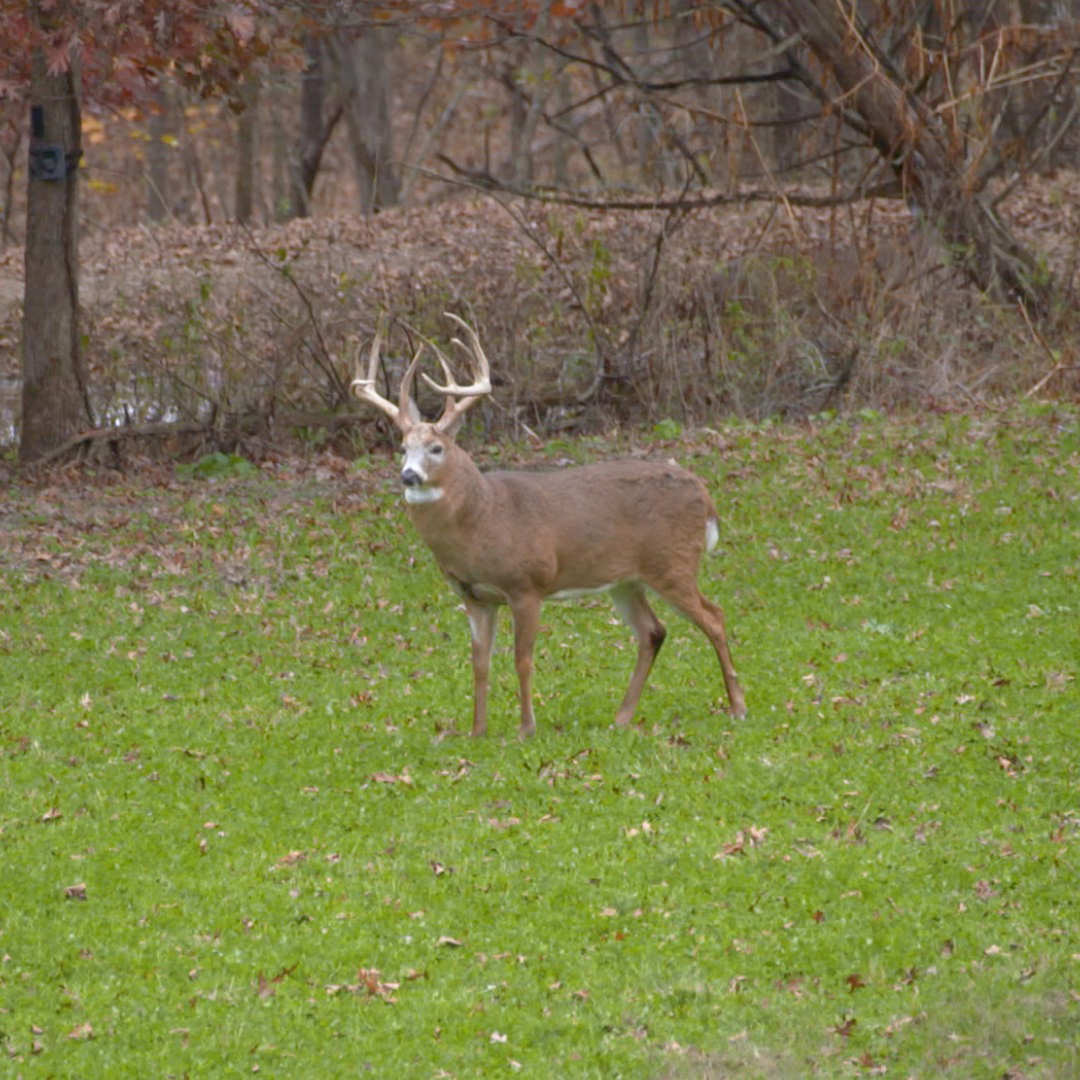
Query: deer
[{"x": 515, "y": 538}]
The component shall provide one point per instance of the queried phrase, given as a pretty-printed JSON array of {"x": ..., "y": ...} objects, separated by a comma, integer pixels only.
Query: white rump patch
[
  {"x": 423, "y": 494},
  {"x": 712, "y": 534}
]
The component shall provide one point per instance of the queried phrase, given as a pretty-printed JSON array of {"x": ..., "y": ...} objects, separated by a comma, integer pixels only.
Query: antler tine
[
  {"x": 482, "y": 383},
  {"x": 451, "y": 387},
  {"x": 364, "y": 387},
  {"x": 402, "y": 414},
  {"x": 405, "y": 405},
  {"x": 474, "y": 347}
]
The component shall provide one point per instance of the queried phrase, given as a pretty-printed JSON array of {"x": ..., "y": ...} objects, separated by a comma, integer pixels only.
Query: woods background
[{"x": 656, "y": 212}]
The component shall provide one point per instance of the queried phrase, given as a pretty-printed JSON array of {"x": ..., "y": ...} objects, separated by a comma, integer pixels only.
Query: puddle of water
[
  {"x": 10, "y": 408},
  {"x": 118, "y": 413}
]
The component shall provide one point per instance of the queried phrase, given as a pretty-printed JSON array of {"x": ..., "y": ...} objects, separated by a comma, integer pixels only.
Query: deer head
[{"x": 427, "y": 446}]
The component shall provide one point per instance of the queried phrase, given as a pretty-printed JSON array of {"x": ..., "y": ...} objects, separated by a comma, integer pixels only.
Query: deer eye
[{"x": 435, "y": 450}]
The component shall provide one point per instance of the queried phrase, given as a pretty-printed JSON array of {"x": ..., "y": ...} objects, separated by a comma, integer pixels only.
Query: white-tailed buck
[{"x": 518, "y": 538}]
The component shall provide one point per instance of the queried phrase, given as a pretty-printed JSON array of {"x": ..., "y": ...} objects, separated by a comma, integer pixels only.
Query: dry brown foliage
[{"x": 591, "y": 318}]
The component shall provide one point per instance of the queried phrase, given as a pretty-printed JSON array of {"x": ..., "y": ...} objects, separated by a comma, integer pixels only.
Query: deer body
[
  {"x": 516, "y": 538},
  {"x": 467, "y": 532}
]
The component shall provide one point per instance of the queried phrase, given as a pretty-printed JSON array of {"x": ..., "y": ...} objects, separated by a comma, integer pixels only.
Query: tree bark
[
  {"x": 54, "y": 403},
  {"x": 11, "y": 134},
  {"x": 157, "y": 154},
  {"x": 929, "y": 165},
  {"x": 312, "y": 136},
  {"x": 247, "y": 158},
  {"x": 364, "y": 76}
]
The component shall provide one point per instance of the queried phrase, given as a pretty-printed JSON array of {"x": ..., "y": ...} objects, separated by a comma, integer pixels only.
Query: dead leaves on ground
[
  {"x": 393, "y": 778},
  {"x": 267, "y": 987},
  {"x": 369, "y": 983},
  {"x": 743, "y": 841},
  {"x": 291, "y": 858}
]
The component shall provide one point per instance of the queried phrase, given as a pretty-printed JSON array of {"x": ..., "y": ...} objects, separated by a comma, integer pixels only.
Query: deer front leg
[
  {"x": 526, "y": 611},
  {"x": 482, "y": 619}
]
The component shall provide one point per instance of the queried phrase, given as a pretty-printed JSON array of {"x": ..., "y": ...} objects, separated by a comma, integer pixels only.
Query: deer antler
[
  {"x": 478, "y": 388},
  {"x": 364, "y": 388},
  {"x": 482, "y": 384},
  {"x": 459, "y": 399}
]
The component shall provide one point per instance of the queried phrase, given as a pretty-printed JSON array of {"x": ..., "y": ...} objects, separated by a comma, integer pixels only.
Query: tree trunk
[
  {"x": 931, "y": 168},
  {"x": 520, "y": 165},
  {"x": 654, "y": 160},
  {"x": 157, "y": 154},
  {"x": 10, "y": 138},
  {"x": 54, "y": 404},
  {"x": 280, "y": 171},
  {"x": 785, "y": 143},
  {"x": 311, "y": 141},
  {"x": 364, "y": 77},
  {"x": 196, "y": 177},
  {"x": 247, "y": 147}
]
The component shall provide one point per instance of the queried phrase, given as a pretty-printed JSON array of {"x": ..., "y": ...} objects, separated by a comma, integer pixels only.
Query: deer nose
[{"x": 411, "y": 478}]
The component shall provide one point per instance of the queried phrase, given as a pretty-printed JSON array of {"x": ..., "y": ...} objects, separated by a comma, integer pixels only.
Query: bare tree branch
[{"x": 483, "y": 181}]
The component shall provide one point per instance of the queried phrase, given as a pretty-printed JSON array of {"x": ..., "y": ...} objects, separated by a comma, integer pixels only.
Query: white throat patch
[{"x": 423, "y": 494}]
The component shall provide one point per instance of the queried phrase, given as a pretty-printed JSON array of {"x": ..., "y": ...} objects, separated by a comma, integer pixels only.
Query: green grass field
[{"x": 238, "y": 832}]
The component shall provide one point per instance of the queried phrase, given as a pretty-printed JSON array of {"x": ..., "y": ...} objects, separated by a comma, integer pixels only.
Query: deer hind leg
[
  {"x": 710, "y": 619},
  {"x": 482, "y": 618},
  {"x": 633, "y": 608},
  {"x": 526, "y": 611}
]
